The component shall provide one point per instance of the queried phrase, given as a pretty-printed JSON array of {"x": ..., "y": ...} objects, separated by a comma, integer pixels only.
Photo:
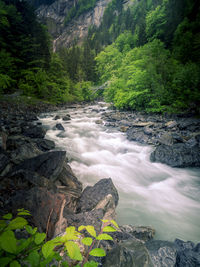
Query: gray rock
[
  {"x": 178, "y": 155},
  {"x": 143, "y": 233},
  {"x": 57, "y": 117},
  {"x": 44, "y": 205},
  {"x": 66, "y": 117},
  {"x": 163, "y": 253},
  {"x": 16, "y": 141},
  {"x": 25, "y": 151},
  {"x": 167, "y": 139},
  {"x": 69, "y": 181},
  {"x": 188, "y": 255},
  {"x": 93, "y": 195},
  {"x": 49, "y": 164},
  {"x": 59, "y": 127},
  {"x": 131, "y": 253},
  {"x": 34, "y": 131},
  {"x": 45, "y": 144}
]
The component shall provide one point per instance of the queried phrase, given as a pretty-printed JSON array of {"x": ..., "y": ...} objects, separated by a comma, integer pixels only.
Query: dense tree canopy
[{"x": 147, "y": 52}]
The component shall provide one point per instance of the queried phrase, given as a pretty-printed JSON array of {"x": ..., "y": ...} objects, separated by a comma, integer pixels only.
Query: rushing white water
[{"x": 168, "y": 199}]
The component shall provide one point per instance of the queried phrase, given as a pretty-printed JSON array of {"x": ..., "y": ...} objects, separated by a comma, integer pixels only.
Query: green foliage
[
  {"x": 79, "y": 8},
  {"x": 148, "y": 78},
  {"x": 35, "y": 252}
]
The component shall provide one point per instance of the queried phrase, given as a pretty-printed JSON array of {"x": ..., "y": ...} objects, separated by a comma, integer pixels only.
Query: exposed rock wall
[{"x": 54, "y": 15}]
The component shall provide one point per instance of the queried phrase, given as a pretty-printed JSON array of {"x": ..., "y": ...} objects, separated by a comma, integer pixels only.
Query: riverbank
[
  {"x": 176, "y": 138},
  {"x": 36, "y": 176}
]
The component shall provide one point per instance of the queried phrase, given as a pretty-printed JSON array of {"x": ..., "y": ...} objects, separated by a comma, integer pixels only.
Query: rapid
[{"x": 150, "y": 194}]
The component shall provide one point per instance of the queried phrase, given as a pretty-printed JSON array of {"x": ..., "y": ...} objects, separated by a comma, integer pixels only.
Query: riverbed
[{"x": 150, "y": 194}]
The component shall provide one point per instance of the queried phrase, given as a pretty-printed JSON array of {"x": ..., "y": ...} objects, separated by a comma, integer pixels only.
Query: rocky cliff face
[{"x": 54, "y": 15}]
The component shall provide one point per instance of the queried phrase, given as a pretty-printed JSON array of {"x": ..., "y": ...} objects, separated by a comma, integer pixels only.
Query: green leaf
[
  {"x": 114, "y": 223},
  {"x": 109, "y": 229},
  {"x": 47, "y": 249},
  {"x": 87, "y": 241},
  {"x": 2, "y": 224},
  {"x": 91, "y": 264},
  {"x": 65, "y": 264},
  {"x": 4, "y": 261},
  {"x": 30, "y": 230},
  {"x": 23, "y": 213},
  {"x": 91, "y": 230},
  {"x": 82, "y": 227},
  {"x": 33, "y": 258},
  {"x": 15, "y": 264},
  {"x": 39, "y": 237},
  {"x": 24, "y": 243},
  {"x": 73, "y": 250},
  {"x": 7, "y": 216},
  {"x": 97, "y": 252},
  {"x": 104, "y": 237},
  {"x": 17, "y": 223},
  {"x": 8, "y": 242}
]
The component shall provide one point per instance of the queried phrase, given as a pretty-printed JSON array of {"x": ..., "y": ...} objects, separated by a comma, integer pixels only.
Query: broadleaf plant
[{"x": 35, "y": 252}]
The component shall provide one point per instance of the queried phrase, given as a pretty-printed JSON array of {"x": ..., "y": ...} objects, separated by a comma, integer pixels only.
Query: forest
[{"x": 148, "y": 55}]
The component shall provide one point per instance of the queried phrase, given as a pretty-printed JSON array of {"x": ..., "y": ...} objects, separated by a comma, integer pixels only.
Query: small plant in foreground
[{"x": 35, "y": 252}]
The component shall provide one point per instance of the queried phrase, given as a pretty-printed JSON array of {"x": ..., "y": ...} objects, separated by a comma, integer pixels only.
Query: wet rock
[
  {"x": 192, "y": 142},
  {"x": 124, "y": 129},
  {"x": 93, "y": 195},
  {"x": 178, "y": 155},
  {"x": 66, "y": 117},
  {"x": 188, "y": 255},
  {"x": 99, "y": 122},
  {"x": 57, "y": 117},
  {"x": 128, "y": 253},
  {"x": 34, "y": 131},
  {"x": 69, "y": 181},
  {"x": 137, "y": 135},
  {"x": 45, "y": 144},
  {"x": 163, "y": 253},
  {"x": 49, "y": 164},
  {"x": 167, "y": 139},
  {"x": 25, "y": 151},
  {"x": 59, "y": 127},
  {"x": 43, "y": 204},
  {"x": 144, "y": 233},
  {"x": 16, "y": 141}
]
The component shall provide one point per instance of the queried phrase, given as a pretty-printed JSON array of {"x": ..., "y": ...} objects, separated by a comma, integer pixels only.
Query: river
[{"x": 150, "y": 194}]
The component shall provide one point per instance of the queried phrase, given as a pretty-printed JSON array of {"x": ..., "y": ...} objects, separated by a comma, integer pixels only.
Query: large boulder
[
  {"x": 144, "y": 233},
  {"x": 188, "y": 255},
  {"x": 67, "y": 181},
  {"x": 59, "y": 127},
  {"x": 162, "y": 253},
  {"x": 93, "y": 195},
  {"x": 49, "y": 164},
  {"x": 34, "y": 131},
  {"x": 178, "y": 155},
  {"x": 44, "y": 205},
  {"x": 44, "y": 144},
  {"x": 131, "y": 253},
  {"x": 25, "y": 151}
]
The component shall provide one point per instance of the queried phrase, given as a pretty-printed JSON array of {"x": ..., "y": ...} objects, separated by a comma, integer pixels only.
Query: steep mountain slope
[{"x": 54, "y": 16}]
